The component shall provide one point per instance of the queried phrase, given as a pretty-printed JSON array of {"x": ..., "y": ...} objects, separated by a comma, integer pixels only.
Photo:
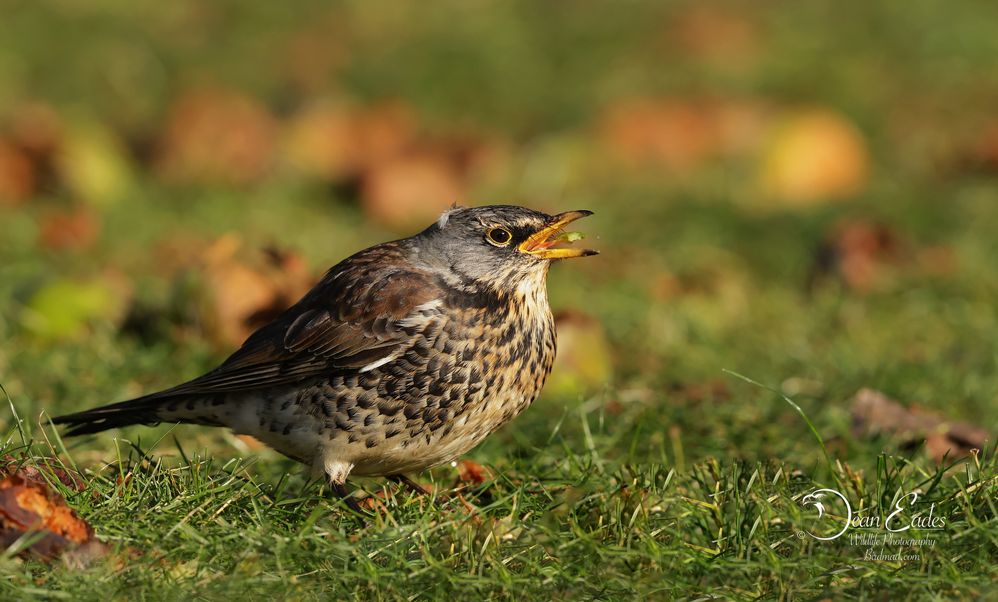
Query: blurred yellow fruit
[{"x": 814, "y": 157}]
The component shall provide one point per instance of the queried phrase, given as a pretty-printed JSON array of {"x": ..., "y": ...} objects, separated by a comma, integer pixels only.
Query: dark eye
[{"x": 498, "y": 236}]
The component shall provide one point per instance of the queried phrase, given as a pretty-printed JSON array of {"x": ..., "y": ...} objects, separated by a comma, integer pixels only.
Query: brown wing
[{"x": 365, "y": 310}]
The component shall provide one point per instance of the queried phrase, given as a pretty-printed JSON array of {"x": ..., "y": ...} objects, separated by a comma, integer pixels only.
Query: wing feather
[{"x": 365, "y": 310}]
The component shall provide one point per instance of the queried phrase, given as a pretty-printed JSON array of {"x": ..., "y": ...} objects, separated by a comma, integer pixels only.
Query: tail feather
[{"x": 143, "y": 410}]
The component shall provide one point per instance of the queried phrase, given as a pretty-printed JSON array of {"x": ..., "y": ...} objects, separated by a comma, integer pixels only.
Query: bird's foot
[
  {"x": 340, "y": 489},
  {"x": 410, "y": 484}
]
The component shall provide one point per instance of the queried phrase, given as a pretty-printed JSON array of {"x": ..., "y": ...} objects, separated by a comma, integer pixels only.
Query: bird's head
[{"x": 499, "y": 245}]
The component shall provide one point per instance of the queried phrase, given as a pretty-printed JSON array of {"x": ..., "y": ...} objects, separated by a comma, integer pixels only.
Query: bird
[{"x": 404, "y": 356}]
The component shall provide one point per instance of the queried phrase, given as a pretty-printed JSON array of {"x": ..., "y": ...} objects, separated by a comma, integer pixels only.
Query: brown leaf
[
  {"x": 17, "y": 174},
  {"x": 38, "y": 129},
  {"x": 321, "y": 142},
  {"x": 28, "y": 505},
  {"x": 11, "y": 465},
  {"x": 874, "y": 413},
  {"x": 217, "y": 136},
  {"x": 73, "y": 229},
  {"x": 859, "y": 253},
  {"x": 472, "y": 472},
  {"x": 411, "y": 191},
  {"x": 241, "y": 296},
  {"x": 673, "y": 134},
  {"x": 340, "y": 142},
  {"x": 384, "y": 132},
  {"x": 680, "y": 135}
]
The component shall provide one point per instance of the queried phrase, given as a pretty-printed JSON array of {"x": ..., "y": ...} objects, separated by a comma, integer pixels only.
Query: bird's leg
[
  {"x": 413, "y": 486},
  {"x": 337, "y": 471},
  {"x": 340, "y": 489}
]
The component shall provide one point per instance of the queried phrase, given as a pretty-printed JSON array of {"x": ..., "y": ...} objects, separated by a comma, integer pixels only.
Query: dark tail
[{"x": 143, "y": 410}]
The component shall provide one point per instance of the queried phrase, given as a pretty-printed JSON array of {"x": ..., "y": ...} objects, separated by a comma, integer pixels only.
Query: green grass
[
  {"x": 552, "y": 524},
  {"x": 678, "y": 477}
]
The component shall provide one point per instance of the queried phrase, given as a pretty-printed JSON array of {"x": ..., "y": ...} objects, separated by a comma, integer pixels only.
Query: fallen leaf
[
  {"x": 411, "y": 191},
  {"x": 384, "y": 132},
  {"x": 240, "y": 296},
  {"x": 814, "y": 157},
  {"x": 38, "y": 129},
  {"x": 469, "y": 471},
  {"x": 859, "y": 253},
  {"x": 28, "y": 505},
  {"x": 74, "y": 229},
  {"x": 681, "y": 135},
  {"x": 321, "y": 142},
  {"x": 11, "y": 465},
  {"x": 17, "y": 174},
  {"x": 217, "y": 136},
  {"x": 672, "y": 134},
  {"x": 874, "y": 413}
]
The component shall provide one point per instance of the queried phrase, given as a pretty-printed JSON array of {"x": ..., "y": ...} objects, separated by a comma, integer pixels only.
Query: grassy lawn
[{"x": 708, "y": 386}]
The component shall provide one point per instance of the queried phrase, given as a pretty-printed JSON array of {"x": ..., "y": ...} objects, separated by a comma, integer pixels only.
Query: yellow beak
[{"x": 541, "y": 243}]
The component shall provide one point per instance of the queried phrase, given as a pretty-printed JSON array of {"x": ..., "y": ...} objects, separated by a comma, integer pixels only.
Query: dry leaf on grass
[
  {"x": 28, "y": 505},
  {"x": 240, "y": 296},
  {"x": 874, "y": 413},
  {"x": 859, "y": 253},
  {"x": 471, "y": 472},
  {"x": 680, "y": 135},
  {"x": 17, "y": 174},
  {"x": 217, "y": 136},
  {"x": 321, "y": 142},
  {"x": 410, "y": 191},
  {"x": 54, "y": 470},
  {"x": 69, "y": 230},
  {"x": 676, "y": 135}
]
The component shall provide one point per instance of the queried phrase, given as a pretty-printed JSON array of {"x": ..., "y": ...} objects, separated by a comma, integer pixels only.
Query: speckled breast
[{"x": 467, "y": 372}]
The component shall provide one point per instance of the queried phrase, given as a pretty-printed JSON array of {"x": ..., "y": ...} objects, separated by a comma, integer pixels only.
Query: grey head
[{"x": 497, "y": 245}]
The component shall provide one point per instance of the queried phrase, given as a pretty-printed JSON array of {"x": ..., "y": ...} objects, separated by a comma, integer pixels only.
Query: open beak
[{"x": 541, "y": 244}]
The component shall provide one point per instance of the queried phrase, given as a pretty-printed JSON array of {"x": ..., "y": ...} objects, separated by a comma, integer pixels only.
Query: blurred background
[{"x": 800, "y": 192}]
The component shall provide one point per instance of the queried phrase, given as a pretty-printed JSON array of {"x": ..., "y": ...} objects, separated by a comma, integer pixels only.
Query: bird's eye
[{"x": 498, "y": 236}]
